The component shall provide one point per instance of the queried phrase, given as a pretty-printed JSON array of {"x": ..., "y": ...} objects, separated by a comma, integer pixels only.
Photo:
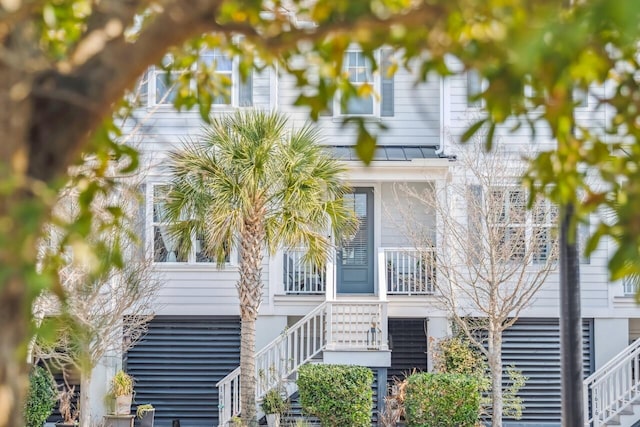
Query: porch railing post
[
  {"x": 384, "y": 345},
  {"x": 382, "y": 275},
  {"x": 330, "y": 275}
]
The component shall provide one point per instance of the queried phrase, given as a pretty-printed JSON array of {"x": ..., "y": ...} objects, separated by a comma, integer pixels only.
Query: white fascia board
[{"x": 417, "y": 169}]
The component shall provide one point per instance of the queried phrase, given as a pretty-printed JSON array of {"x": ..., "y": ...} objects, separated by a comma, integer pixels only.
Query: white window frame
[
  {"x": 527, "y": 221},
  {"x": 150, "y": 233},
  {"x": 375, "y": 84},
  {"x": 234, "y": 75}
]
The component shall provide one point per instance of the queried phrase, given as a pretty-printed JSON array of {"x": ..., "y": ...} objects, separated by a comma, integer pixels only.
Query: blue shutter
[
  {"x": 386, "y": 90},
  {"x": 245, "y": 91}
]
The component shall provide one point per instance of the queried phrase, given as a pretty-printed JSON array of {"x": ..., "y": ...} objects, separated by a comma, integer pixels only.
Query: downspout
[{"x": 444, "y": 111}]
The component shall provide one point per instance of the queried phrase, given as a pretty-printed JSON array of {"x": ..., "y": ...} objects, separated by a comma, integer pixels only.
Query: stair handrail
[
  {"x": 280, "y": 359},
  {"x": 602, "y": 411}
]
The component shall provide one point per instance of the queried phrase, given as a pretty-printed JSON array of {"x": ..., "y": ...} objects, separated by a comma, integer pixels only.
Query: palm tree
[{"x": 251, "y": 183}]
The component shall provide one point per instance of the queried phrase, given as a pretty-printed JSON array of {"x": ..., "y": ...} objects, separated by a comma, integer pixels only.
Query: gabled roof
[{"x": 388, "y": 152}]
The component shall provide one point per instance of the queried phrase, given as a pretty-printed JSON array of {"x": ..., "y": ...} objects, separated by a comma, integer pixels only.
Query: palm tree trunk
[{"x": 250, "y": 294}]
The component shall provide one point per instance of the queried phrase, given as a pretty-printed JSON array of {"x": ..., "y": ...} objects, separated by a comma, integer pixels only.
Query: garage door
[{"x": 179, "y": 361}]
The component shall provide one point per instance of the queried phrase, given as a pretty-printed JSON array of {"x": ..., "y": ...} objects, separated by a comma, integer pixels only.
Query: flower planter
[
  {"x": 147, "y": 419},
  {"x": 123, "y": 404},
  {"x": 273, "y": 420}
]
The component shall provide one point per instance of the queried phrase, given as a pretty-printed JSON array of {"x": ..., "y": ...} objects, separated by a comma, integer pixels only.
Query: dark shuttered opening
[
  {"x": 408, "y": 341},
  {"x": 533, "y": 346},
  {"x": 179, "y": 361}
]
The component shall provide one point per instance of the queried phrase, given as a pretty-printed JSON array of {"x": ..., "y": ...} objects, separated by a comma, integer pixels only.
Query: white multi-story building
[{"x": 362, "y": 309}]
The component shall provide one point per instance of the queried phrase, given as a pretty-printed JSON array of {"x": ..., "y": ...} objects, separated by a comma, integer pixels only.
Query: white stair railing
[
  {"x": 336, "y": 325},
  {"x": 276, "y": 361},
  {"x": 612, "y": 388}
]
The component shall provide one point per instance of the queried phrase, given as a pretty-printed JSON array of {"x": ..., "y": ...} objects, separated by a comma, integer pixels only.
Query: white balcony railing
[
  {"x": 301, "y": 277},
  {"x": 409, "y": 271}
]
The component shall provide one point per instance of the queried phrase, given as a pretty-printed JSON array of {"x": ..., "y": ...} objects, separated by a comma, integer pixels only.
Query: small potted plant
[
  {"x": 122, "y": 390},
  {"x": 146, "y": 414},
  {"x": 274, "y": 405},
  {"x": 67, "y": 409}
]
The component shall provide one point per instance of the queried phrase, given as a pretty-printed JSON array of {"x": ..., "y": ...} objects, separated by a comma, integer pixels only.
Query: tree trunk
[
  {"x": 85, "y": 404},
  {"x": 247, "y": 372},
  {"x": 570, "y": 323},
  {"x": 495, "y": 366},
  {"x": 250, "y": 294},
  {"x": 15, "y": 246}
]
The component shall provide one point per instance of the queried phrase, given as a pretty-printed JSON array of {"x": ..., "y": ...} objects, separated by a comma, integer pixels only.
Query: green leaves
[
  {"x": 442, "y": 400},
  {"x": 338, "y": 395}
]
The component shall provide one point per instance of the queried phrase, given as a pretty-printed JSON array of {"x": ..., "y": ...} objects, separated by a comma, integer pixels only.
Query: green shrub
[
  {"x": 441, "y": 400},
  {"x": 338, "y": 395},
  {"x": 456, "y": 355},
  {"x": 41, "y": 397}
]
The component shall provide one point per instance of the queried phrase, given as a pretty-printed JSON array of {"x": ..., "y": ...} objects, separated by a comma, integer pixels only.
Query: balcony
[{"x": 401, "y": 271}]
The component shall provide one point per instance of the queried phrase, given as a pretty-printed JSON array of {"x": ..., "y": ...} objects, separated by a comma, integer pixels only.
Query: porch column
[
  {"x": 330, "y": 288},
  {"x": 382, "y": 276}
]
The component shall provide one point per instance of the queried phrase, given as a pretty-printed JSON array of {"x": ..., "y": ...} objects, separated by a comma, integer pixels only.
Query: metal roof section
[{"x": 388, "y": 152}]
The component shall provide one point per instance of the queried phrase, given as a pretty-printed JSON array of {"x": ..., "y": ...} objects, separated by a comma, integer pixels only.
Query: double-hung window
[
  {"x": 510, "y": 222},
  {"x": 229, "y": 89},
  {"x": 521, "y": 234},
  {"x": 374, "y": 92},
  {"x": 166, "y": 247},
  {"x": 360, "y": 74}
]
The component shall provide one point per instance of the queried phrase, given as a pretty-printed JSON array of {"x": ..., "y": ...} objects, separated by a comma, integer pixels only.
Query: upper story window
[
  {"x": 510, "y": 221},
  {"x": 521, "y": 234},
  {"x": 165, "y": 246},
  {"x": 231, "y": 90},
  {"x": 375, "y": 91}
]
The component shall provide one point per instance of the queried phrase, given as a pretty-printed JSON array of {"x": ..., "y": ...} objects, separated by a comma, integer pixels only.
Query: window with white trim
[
  {"x": 165, "y": 246},
  {"x": 520, "y": 232},
  {"x": 510, "y": 221},
  {"x": 233, "y": 91},
  {"x": 374, "y": 91}
]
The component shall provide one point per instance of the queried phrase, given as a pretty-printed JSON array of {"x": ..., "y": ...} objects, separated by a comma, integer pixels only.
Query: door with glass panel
[{"x": 355, "y": 257}]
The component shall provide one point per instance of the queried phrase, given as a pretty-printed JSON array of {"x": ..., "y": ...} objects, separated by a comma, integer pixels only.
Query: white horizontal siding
[
  {"x": 403, "y": 218},
  {"x": 201, "y": 290},
  {"x": 416, "y": 119}
]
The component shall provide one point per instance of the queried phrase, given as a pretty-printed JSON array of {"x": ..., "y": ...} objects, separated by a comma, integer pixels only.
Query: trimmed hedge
[
  {"x": 338, "y": 395},
  {"x": 441, "y": 400},
  {"x": 41, "y": 397}
]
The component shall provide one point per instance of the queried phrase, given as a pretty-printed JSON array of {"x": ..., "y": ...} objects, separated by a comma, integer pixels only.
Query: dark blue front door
[{"x": 355, "y": 258}]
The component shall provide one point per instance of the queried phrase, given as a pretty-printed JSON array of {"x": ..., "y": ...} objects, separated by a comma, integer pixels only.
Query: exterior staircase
[
  {"x": 333, "y": 330},
  {"x": 612, "y": 393}
]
